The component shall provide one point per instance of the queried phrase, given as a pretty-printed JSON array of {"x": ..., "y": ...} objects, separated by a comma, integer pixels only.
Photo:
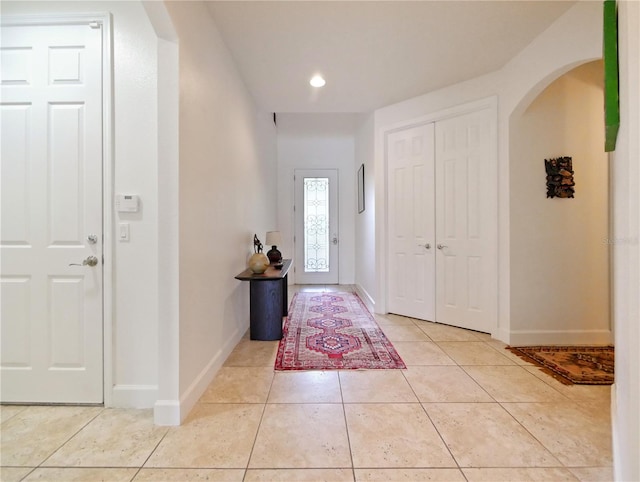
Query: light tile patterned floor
[{"x": 465, "y": 409}]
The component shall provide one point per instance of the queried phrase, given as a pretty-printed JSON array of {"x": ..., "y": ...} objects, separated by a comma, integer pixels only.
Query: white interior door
[
  {"x": 316, "y": 238},
  {"x": 51, "y": 116},
  {"x": 411, "y": 256},
  {"x": 466, "y": 221}
]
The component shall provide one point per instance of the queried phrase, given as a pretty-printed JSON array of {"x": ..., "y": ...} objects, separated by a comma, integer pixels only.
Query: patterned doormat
[
  {"x": 582, "y": 365},
  {"x": 333, "y": 331}
]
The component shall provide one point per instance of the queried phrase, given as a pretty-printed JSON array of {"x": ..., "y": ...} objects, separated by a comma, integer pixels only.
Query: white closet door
[
  {"x": 410, "y": 168},
  {"x": 466, "y": 221}
]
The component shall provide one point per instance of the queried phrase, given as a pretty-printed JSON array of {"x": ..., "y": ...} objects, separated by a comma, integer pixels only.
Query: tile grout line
[
  {"x": 434, "y": 426},
  {"x": 346, "y": 426},
  {"x": 255, "y": 439},
  {"x": 150, "y": 454},
  {"x": 41, "y": 464}
]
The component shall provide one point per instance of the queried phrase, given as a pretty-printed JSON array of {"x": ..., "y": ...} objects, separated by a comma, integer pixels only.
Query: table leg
[
  {"x": 285, "y": 295},
  {"x": 265, "y": 310}
]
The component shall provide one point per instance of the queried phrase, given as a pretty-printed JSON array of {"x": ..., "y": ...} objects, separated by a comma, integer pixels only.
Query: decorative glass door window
[{"x": 316, "y": 224}]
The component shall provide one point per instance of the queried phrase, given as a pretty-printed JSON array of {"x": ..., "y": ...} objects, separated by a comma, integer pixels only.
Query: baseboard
[
  {"x": 502, "y": 335},
  {"x": 173, "y": 412},
  {"x": 560, "y": 337},
  {"x": 366, "y": 298},
  {"x": 166, "y": 413},
  {"x": 134, "y": 396}
]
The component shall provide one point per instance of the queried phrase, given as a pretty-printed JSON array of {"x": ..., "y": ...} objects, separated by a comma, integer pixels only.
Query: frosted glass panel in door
[{"x": 316, "y": 225}]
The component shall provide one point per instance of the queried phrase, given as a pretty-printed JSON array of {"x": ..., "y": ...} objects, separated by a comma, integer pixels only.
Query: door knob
[
  {"x": 335, "y": 240},
  {"x": 90, "y": 261},
  {"x": 425, "y": 246},
  {"x": 441, "y": 246}
]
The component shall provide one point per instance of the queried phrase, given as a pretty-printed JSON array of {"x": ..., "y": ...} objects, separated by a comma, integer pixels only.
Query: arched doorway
[{"x": 559, "y": 251}]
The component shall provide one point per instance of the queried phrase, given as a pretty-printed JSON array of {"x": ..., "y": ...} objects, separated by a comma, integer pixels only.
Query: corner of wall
[{"x": 173, "y": 412}]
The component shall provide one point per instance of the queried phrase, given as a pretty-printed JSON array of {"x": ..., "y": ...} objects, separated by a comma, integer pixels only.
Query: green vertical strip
[{"x": 611, "y": 95}]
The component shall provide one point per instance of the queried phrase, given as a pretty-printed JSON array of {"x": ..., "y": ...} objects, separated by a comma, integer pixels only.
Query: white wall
[
  {"x": 317, "y": 141},
  {"x": 559, "y": 248},
  {"x": 134, "y": 369},
  {"x": 227, "y": 192},
  {"x": 365, "y": 241},
  {"x": 167, "y": 403},
  {"x": 626, "y": 251}
]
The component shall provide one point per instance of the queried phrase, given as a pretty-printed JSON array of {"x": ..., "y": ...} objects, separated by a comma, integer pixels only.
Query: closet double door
[{"x": 442, "y": 221}]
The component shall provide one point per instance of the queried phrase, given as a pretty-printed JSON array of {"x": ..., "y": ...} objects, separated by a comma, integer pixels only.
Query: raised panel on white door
[
  {"x": 466, "y": 178},
  {"x": 474, "y": 203},
  {"x": 16, "y": 64},
  {"x": 398, "y": 207},
  {"x": 66, "y": 65},
  {"x": 15, "y": 185},
  {"x": 66, "y": 176},
  {"x": 419, "y": 176},
  {"x": 449, "y": 203},
  {"x": 449, "y": 279},
  {"x": 398, "y": 267},
  {"x": 66, "y": 322},
  {"x": 410, "y": 213},
  {"x": 15, "y": 310},
  {"x": 474, "y": 283}
]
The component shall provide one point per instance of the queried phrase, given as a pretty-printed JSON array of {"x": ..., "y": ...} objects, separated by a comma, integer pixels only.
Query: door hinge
[{"x": 95, "y": 24}]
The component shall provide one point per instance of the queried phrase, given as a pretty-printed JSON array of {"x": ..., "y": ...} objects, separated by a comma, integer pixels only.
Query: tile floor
[{"x": 465, "y": 409}]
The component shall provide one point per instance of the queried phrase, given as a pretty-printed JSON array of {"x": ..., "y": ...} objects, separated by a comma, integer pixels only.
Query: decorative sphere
[{"x": 258, "y": 263}]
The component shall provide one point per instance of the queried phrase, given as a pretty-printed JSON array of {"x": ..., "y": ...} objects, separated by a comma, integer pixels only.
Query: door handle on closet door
[{"x": 441, "y": 246}]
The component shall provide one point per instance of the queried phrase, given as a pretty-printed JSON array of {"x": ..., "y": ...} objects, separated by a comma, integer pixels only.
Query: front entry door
[
  {"x": 51, "y": 232},
  {"x": 316, "y": 226}
]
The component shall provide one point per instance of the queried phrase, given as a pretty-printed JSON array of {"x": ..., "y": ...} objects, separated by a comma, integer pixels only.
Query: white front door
[
  {"x": 51, "y": 116},
  {"x": 316, "y": 226},
  {"x": 466, "y": 221},
  {"x": 410, "y": 178}
]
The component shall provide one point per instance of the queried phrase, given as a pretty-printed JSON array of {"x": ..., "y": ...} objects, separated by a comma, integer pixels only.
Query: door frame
[
  {"x": 382, "y": 280},
  {"x": 107, "y": 170}
]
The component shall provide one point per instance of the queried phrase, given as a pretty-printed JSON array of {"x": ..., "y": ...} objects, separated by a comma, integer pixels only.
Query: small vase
[{"x": 258, "y": 263}]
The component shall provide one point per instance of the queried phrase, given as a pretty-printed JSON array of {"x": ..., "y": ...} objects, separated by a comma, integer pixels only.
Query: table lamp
[{"x": 274, "y": 238}]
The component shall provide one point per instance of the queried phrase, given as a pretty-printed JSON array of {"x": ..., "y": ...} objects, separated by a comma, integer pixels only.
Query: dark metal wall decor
[{"x": 559, "y": 177}]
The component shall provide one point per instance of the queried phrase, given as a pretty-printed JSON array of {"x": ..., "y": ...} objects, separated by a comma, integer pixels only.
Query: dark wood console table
[{"x": 269, "y": 301}]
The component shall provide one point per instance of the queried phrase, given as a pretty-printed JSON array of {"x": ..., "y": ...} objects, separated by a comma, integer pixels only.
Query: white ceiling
[{"x": 372, "y": 54}]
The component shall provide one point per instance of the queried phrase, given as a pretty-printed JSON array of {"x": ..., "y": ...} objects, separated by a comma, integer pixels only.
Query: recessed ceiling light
[{"x": 317, "y": 81}]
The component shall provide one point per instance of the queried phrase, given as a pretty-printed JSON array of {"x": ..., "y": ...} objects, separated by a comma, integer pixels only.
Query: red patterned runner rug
[{"x": 333, "y": 331}]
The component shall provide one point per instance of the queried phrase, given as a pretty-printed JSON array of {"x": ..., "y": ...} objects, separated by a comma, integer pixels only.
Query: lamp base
[{"x": 274, "y": 255}]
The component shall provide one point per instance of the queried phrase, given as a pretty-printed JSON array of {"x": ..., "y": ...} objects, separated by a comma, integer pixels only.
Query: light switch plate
[{"x": 123, "y": 232}]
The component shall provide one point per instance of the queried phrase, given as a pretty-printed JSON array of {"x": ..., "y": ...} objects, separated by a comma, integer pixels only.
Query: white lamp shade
[{"x": 274, "y": 238}]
